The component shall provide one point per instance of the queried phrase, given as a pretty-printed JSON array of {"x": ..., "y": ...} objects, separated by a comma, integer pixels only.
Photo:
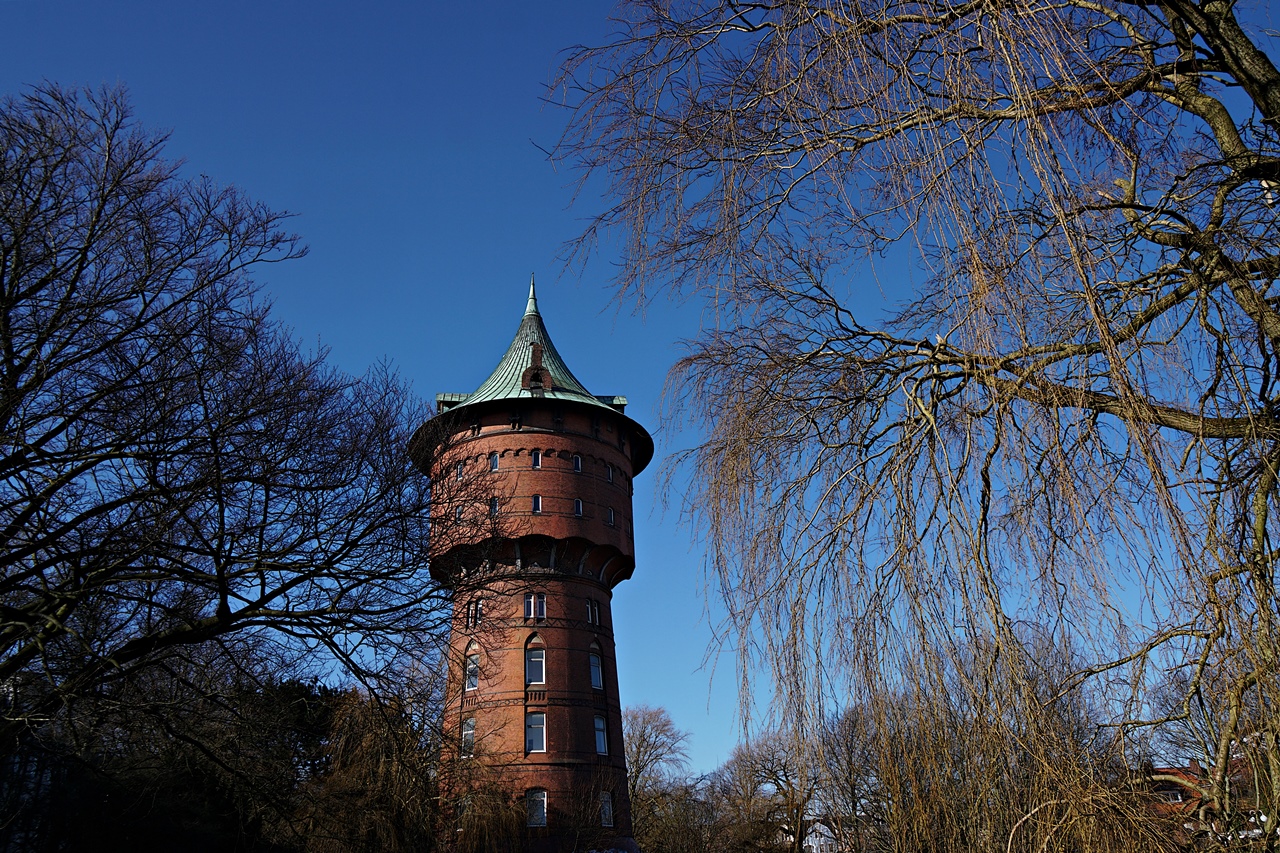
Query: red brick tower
[{"x": 531, "y": 482}]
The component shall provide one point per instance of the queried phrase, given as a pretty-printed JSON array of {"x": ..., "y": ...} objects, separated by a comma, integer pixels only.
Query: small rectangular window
[
  {"x": 493, "y": 462},
  {"x": 457, "y": 514},
  {"x": 535, "y": 459},
  {"x": 535, "y": 666},
  {"x": 577, "y": 507},
  {"x": 608, "y": 516},
  {"x": 473, "y": 671},
  {"x": 608, "y": 470},
  {"x": 493, "y": 506},
  {"x": 536, "y": 801},
  {"x": 606, "y": 808},
  {"x": 535, "y": 732},
  {"x": 537, "y": 504},
  {"x": 597, "y": 672},
  {"x": 602, "y": 737},
  {"x": 593, "y": 611},
  {"x": 461, "y": 468},
  {"x": 468, "y": 746},
  {"x": 577, "y": 464},
  {"x": 535, "y": 605}
]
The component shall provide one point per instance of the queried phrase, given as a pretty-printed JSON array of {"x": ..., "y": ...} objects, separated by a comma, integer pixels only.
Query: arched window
[
  {"x": 577, "y": 507},
  {"x": 535, "y": 732},
  {"x": 537, "y": 504},
  {"x": 462, "y": 466},
  {"x": 602, "y": 736},
  {"x": 608, "y": 516},
  {"x": 597, "y": 668},
  {"x": 606, "y": 808},
  {"x": 468, "y": 746},
  {"x": 577, "y": 464},
  {"x": 493, "y": 461},
  {"x": 608, "y": 470},
  {"x": 473, "y": 667},
  {"x": 535, "y": 800},
  {"x": 535, "y": 662},
  {"x": 535, "y": 459}
]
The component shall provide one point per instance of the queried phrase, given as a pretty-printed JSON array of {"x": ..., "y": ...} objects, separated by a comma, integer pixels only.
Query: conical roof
[
  {"x": 532, "y": 369},
  {"x": 508, "y": 381}
]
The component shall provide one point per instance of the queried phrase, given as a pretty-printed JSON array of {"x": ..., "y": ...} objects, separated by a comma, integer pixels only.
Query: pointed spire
[{"x": 532, "y": 307}]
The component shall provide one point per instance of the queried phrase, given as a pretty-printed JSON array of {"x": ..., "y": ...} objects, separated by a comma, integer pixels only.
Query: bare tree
[
  {"x": 783, "y": 776},
  {"x": 656, "y": 758},
  {"x": 174, "y": 469},
  {"x": 654, "y": 747},
  {"x": 1071, "y": 420}
]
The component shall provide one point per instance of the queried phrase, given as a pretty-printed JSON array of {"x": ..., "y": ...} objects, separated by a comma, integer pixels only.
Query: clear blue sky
[{"x": 406, "y": 137}]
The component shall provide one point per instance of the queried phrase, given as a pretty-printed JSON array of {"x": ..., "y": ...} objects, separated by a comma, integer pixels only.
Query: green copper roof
[{"x": 509, "y": 382}]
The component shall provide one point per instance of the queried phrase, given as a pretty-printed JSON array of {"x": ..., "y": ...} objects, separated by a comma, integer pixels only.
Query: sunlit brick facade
[{"x": 532, "y": 526}]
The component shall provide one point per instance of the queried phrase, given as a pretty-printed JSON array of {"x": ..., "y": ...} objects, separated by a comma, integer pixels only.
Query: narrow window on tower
[
  {"x": 608, "y": 516},
  {"x": 536, "y": 802},
  {"x": 535, "y": 459},
  {"x": 577, "y": 464},
  {"x": 535, "y": 732},
  {"x": 577, "y": 507},
  {"x": 468, "y": 746},
  {"x": 474, "y": 611},
  {"x": 462, "y": 467},
  {"x": 493, "y": 506},
  {"x": 493, "y": 462},
  {"x": 457, "y": 514},
  {"x": 606, "y": 808},
  {"x": 535, "y": 605},
  {"x": 602, "y": 737},
  {"x": 597, "y": 672},
  {"x": 473, "y": 670},
  {"x": 593, "y": 611},
  {"x": 608, "y": 471},
  {"x": 537, "y": 504},
  {"x": 535, "y": 666}
]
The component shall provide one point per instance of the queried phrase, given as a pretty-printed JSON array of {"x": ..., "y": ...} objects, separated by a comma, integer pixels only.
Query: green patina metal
[{"x": 508, "y": 380}]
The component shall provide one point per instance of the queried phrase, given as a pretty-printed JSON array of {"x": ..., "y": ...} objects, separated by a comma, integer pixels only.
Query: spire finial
[{"x": 532, "y": 307}]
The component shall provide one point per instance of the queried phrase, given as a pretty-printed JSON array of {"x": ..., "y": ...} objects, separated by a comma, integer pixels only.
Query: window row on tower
[
  {"x": 536, "y": 804},
  {"x": 536, "y": 508},
  {"x": 535, "y": 608},
  {"x": 535, "y": 463},
  {"x": 610, "y": 517},
  {"x": 535, "y": 665},
  {"x": 535, "y": 734}
]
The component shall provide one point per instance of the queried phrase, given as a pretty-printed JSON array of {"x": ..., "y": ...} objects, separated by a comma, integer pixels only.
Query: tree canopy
[
  {"x": 1048, "y": 474},
  {"x": 174, "y": 468}
]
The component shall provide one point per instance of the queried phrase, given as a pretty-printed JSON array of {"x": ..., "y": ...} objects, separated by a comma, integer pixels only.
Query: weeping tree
[{"x": 1063, "y": 423}]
